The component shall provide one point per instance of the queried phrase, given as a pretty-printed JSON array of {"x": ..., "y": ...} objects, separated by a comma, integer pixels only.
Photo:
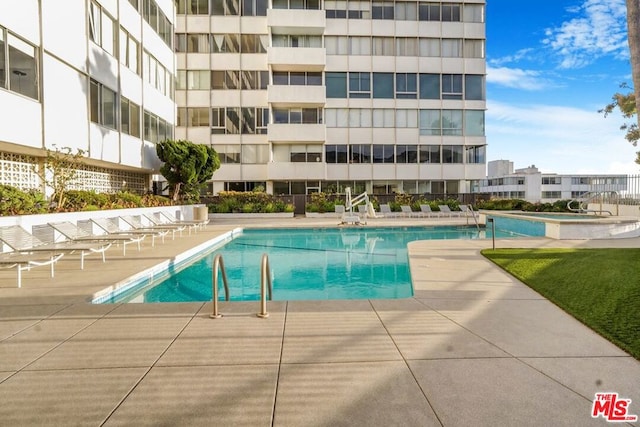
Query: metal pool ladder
[
  {"x": 218, "y": 264},
  {"x": 266, "y": 288},
  {"x": 265, "y": 285}
]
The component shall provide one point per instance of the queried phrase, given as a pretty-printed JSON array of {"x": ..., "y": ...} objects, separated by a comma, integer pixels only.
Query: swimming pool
[{"x": 306, "y": 264}]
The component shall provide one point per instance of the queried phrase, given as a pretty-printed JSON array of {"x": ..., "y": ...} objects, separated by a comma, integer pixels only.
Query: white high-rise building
[
  {"x": 93, "y": 75},
  {"x": 299, "y": 96}
]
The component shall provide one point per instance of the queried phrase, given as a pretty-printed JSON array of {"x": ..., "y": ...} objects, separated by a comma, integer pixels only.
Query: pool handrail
[
  {"x": 218, "y": 265},
  {"x": 265, "y": 285}
]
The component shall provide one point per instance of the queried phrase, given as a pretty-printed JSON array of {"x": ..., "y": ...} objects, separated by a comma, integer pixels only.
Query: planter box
[{"x": 251, "y": 215}]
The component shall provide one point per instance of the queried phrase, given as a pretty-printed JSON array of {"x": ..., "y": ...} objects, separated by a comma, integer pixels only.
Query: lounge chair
[
  {"x": 157, "y": 220},
  {"x": 137, "y": 224},
  {"x": 425, "y": 210},
  {"x": 446, "y": 210},
  {"x": 75, "y": 233},
  {"x": 385, "y": 210},
  {"x": 112, "y": 228},
  {"x": 173, "y": 220},
  {"x": 23, "y": 242},
  {"x": 339, "y": 209},
  {"x": 407, "y": 211},
  {"x": 27, "y": 262}
]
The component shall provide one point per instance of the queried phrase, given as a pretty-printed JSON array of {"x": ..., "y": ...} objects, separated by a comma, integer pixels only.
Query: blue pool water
[{"x": 306, "y": 264}]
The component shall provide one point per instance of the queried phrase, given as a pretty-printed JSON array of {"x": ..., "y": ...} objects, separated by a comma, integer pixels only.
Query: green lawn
[{"x": 599, "y": 287}]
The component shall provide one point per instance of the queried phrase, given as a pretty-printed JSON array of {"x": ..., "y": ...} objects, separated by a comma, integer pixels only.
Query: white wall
[{"x": 63, "y": 31}]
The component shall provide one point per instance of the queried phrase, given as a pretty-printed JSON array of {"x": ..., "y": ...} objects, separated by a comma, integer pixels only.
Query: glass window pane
[
  {"x": 383, "y": 85},
  {"x": 474, "y": 87}
]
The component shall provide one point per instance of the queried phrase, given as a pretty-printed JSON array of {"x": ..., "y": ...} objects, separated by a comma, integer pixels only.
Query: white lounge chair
[
  {"x": 407, "y": 211},
  {"x": 23, "y": 242},
  {"x": 197, "y": 224},
  {"x": 108, "y": 225},
  {"x": 386, "y": 211},
  {"x": 467, "y": 211},
  {"x": 446, "y": 210},
  {"x": 75, "y": 233},
  {"x": 28, "y": 261},
  {"x": 425, "y": 210},
  {"x": 137, "y": 224}
]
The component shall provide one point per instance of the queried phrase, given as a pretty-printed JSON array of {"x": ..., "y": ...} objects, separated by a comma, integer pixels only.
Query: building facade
[
  {"x": 90, "y": 75},
  {"x": 534, "y": 186},
  {"x": 299, "y": 96}
]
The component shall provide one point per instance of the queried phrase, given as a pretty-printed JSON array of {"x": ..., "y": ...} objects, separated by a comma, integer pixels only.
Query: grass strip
[{"x": 599, "y": 287}]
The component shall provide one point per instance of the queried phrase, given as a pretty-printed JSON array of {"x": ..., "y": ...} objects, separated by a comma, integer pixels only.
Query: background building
[
  {"x": 299, "y": 96},
  {"x": 90, "y": 75},
  {"x": 534, "y": 186}
]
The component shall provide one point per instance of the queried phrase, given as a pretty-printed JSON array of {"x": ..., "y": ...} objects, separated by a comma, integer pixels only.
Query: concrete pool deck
[{"x": 474, "y": 346}]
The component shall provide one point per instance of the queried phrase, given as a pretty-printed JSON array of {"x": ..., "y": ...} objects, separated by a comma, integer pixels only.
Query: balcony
[
  {"x": 297, "y": 96},
  {"x": 296, "y": 21},
  {"x": 295, "y": 132},
  {"x": 297, "y": 58}
]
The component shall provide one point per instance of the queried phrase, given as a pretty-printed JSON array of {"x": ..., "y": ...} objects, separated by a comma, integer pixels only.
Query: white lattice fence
[{"x": 17, "y": 171}]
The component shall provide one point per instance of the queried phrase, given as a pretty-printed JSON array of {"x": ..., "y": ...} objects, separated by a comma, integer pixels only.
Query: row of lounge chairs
[
  {"x": 407, "y": 212},
  {"x": 24, "y": 250}
]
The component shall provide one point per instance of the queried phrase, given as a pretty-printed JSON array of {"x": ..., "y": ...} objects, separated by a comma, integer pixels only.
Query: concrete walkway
[{"x": 474, "y": 347}]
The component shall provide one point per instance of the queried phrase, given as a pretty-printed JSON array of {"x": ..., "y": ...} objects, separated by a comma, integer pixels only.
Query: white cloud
[
  {"x": 598, "y": 30},
  {"x": 558, "y": 139},
  {"x": 521, "y": 54},
  {"x": 516, "y": 78}
]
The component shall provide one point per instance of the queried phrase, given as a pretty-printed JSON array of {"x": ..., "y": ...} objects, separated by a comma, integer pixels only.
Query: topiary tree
[{"x": 187, "y": 166}]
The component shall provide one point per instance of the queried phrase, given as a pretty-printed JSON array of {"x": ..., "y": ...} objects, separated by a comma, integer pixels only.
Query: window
[
  {"x": 254, "y": 80},
  {"x": 452, "y": 48},
  {"x": 18, "y": 65},
  {"x": 336, "y": 85},
  {"x": 550, "y": 180},
  {"x": 225, "y": 7},
  {"x": 551, "y": 194},
  {"x": 103, "y": 105},
  {"x": 335, "y": 9},
  {"x": 102, "y": 28},
  {"x": 360, "y": 153},
  {"x": 430, "y": 122},
  {"x": 428, "y": 11},
  {"x": 382, "y": 10},
  {"x": 359, "y": 45},
  {"x": 304, "y": 153},
  {"x": 452, "y": 86},
  {"x": 429, "y": 86},
  {"x": 406, "y": 11},
  {"x": 129, "y": 117},
  {"x": 383, "y": 85},
  {"x": 297, "y": 78},
  {"x": 406, "y": 118},
  {"x": 406, "y": 46},
  {"x": 157, "y": 20},
  {"x": 217, "y": 121},
  {"x": 450, "y": 12},
  {"x": 129, "y": 51},
  {"x": 452, "y": 154},
  {"x": 255, "y": 154},
  {"x": 254, "y": 7},
  {"x": 254, "y": 120},
  {"x": 430, "y": 154},
  {"x": 359, "y": 85},
  {"x": 225, "y": 80},
  {"x": 384, "y": 46},
  {"x": 451, "y": 122},
  {"x": 476, "y": 154},
  {"x": 429, "y": 47},
  {"x": 473, "y": 48},
  {"x": 383, "y": 153},
  {"x": 228, "y": 154},
  {"x": 193, "y": 7},
  {"x": 335, "y": 153},
  {"x": 337, "y": 45},
  {"x": 406, "y": 86},
  {"x": 194, "y": 79},
  {"x": 359, "y": 9},
  {"x": 232, "y": 121},
  {"x": 473, "y": 13},
  {"x": 383, "y": 118},
  {"x": 474, "y": 87},
  {"x": 406, "y": 153},
  {"x": 474, "y": 122}
]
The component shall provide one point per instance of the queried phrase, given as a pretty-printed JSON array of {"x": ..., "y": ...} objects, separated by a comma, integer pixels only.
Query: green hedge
[
  {"x": 14, "y": 201},
  {"x": 247, "y": 202}
]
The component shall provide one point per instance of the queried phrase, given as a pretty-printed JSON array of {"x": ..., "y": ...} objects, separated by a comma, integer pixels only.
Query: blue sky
[{"x": 551, "y": 65}]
